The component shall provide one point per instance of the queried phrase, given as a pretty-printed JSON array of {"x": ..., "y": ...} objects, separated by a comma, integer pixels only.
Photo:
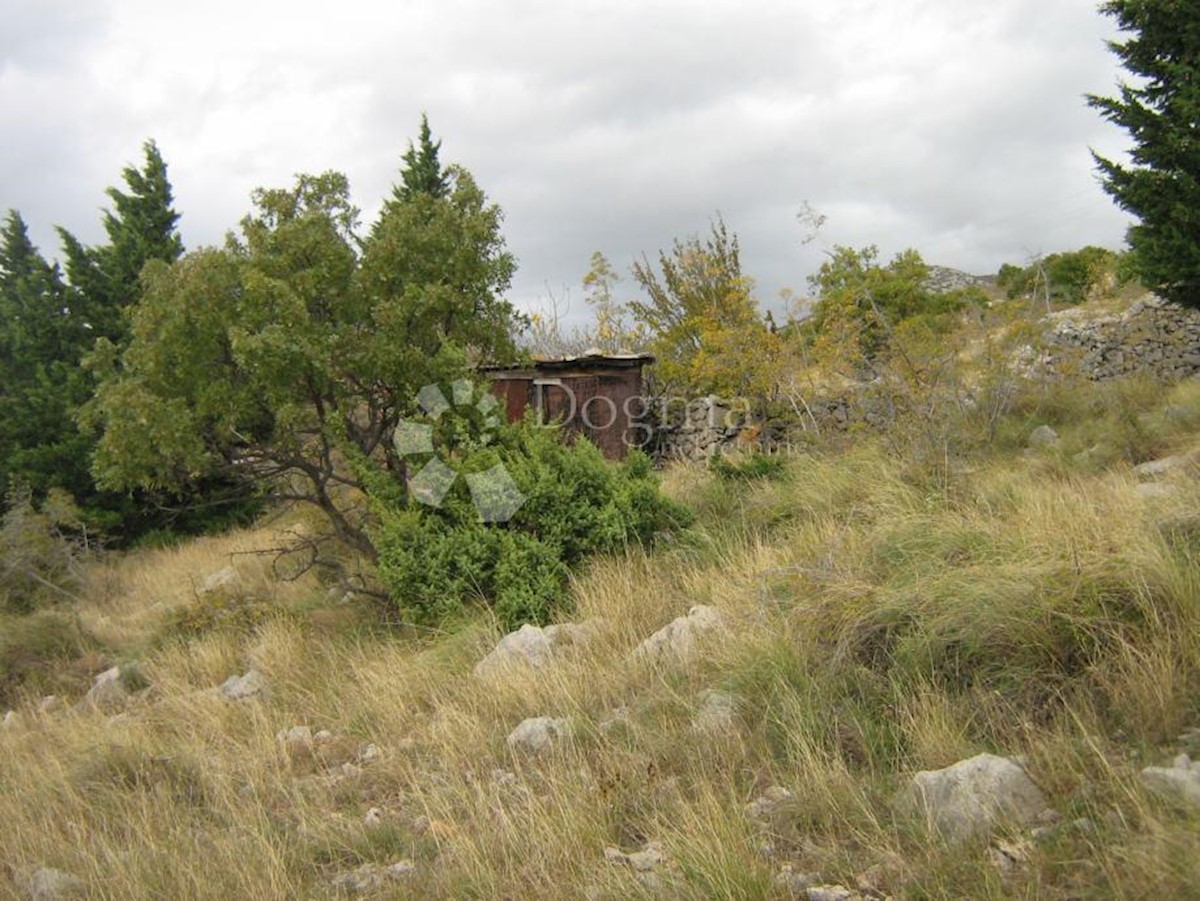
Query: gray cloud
[{"x": 960, "y": 130}]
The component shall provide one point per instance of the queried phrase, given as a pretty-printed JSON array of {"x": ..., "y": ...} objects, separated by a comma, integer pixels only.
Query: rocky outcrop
[
  {"x": 251, "y": 686},
  {"x": 1179, "y": 783},
  {"x": 107, "y": 692},
  {"x": 222, "y": 580},
  {"x": 943, "y": 280},
  {"x": 534, "y": 647},
  {"x": 679, "y": 640},
  {"x": 536, "y": 734},
  {"x": 971, "y": 796},
  {"x": 372, "y": 877}
]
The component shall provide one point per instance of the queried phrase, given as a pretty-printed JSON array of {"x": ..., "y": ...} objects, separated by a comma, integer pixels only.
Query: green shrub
[{"x": 435, "y": 560}]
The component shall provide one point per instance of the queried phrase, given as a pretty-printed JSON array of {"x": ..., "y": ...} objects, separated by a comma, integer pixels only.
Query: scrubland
[{"x": 884, "y": 613}]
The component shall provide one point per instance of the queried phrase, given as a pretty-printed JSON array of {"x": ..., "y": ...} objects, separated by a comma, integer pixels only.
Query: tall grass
[{"x": 877, "y": 624}]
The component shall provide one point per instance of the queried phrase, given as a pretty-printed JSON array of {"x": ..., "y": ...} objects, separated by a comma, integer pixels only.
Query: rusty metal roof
[{"x": 593, "y": 358}]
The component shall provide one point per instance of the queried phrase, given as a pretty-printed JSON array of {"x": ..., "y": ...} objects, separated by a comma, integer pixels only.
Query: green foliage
[
  {"x": 701, "y": 318},
  {"x": 422, "y": 173},
  {"x": 40, "y": 382},
  {"x": 1068, "y": 278},
  {"x": 1161, "y": 112},
  {"x": 860, "y": 301},
  {"x": 49, "y": 326},
  {"x": 297, "y": 346},
  {"x": 140, "y": 227},
  {"x": 576, "y": 504}
]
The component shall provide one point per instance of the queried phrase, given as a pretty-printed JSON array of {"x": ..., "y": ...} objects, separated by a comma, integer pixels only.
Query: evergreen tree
[
  {"x": 422, "y": 173},
  {"x": 40, "y": 381},
  {"x": 1161, "y": 112},
  {"x": 141, "y": 226}
]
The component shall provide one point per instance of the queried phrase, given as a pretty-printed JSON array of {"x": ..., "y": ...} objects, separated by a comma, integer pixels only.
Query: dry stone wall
[{"x": 1151, "y": 337}]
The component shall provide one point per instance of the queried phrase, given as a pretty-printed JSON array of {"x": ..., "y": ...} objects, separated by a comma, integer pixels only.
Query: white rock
[
  {"x": 831, "y": 893},
  {"x": 12, "y": 720},
  {"x": 766, "y": 803},
  {"x": 679, "y": 639},
  {"x": 1154, "y": 490},
  {"x": 1178, "y": 783},
  {"x": 107, "y": 692},
  {"x": 323, "y": 737},
  {"x": 796, "y": 885},
  {"x": 371, "y": 876},
  {"x": 369, "y": 754},
  {"x": 536, "y": 734},
  {"x": 533, "y": 647},
  {"x": 222, "y": 578},
  {"x": 400, "y": 869},
  {"x": 717, "y": 713},
  {"x": 1043, "y": 436},
  {"x": 969, "y": 797},
  {"x": 295, "y": 738},
  {"x": 1158, "y": 468},
  {"x": 49, "y": 704},
  {"x": 49, "y": 884},
  {"x": 642, "y": 861},
  {"x": 373, "y": 817},
  {"x": 242, "y": 688}
]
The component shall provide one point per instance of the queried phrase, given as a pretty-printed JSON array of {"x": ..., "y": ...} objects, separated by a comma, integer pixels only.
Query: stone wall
[{"x": 1150, "y": 337}]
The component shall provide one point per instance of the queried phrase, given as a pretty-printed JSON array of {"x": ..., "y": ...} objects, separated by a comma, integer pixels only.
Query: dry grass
[{"x": 876, "y": 626}]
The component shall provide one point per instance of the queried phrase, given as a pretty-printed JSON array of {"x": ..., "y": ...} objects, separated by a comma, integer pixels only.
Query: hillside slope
[{"x": 870, "y": 618}]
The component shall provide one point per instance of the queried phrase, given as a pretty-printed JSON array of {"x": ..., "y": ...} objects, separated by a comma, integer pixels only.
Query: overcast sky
[{"x": 959, "y": 129}]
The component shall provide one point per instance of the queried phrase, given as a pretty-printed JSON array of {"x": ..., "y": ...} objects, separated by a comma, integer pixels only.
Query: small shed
[{"x": 599, "y": 395}]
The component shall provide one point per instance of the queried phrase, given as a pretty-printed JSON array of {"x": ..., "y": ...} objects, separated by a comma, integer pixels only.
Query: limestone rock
[
  {"x": 295, "y": 738},
  {"x": 222, "y": 578},
  {"x": 679, "y": 640},
  {"x": 717, "y": 714},
  {"x": 107, "y": 693},
  {"x": 536, "y": 734},
  {"x": 832, "y": 893},
  {"x": 969, "y": 797},
  {"x": 1155, "y": 490},
  {"x": 1178, "y": 783},
  {"x": 48, "y": 884},
  {"x": 49, "y": 704},
  {"x": 371, "y": 877},
  {"x": 1155, "y": 469},
  {"x": 374, "y": 817},
  {"x": 795, "y": 885},
  {"x": 532, "y": 646},
  {"x": 253, "y": 685},
  {"x": 1043, "y": 437},
  {"x": 644, "y": 861},
  {"x": 766, "y": 804},
  {"x": 12, "y": 720}
]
